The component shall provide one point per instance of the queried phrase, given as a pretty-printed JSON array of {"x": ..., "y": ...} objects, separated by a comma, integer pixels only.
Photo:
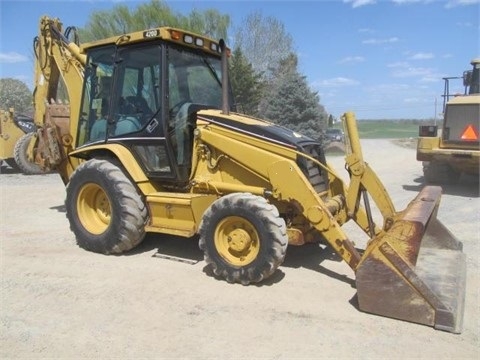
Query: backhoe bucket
[{"x": 415, "y": 271}]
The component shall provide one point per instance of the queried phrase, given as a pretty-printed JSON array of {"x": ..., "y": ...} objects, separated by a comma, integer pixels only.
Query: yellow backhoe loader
[
  {"x": 151, "y": 143},
  {"x": 15, "y": 133}
]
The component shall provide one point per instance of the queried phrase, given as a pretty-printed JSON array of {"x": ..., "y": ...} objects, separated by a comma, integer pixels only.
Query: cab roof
[
  {"x": 174, "y": 35},
  {"x": 465, "y": 99}
]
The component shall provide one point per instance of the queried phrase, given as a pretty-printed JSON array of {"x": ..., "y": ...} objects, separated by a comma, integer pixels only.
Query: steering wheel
[{"x": 176, "y": 108}]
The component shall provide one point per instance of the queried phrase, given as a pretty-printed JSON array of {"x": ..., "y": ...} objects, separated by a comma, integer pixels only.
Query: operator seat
[
  {"x": 132, "y": 112},
  {"x": 140, "y": 108}
]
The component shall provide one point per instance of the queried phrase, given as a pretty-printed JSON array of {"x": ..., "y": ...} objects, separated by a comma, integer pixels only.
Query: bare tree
[{"x": 264, "y": 42}]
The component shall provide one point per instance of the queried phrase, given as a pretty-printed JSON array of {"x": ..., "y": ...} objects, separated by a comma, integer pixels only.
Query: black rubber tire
[
  {"x": 12, "y": 163},
  {"x": 105, "y": 211},
  {"x": 20, "y": 155},
  {"x": 436, "y": 172},
  {"x": 244, "y": 213}
]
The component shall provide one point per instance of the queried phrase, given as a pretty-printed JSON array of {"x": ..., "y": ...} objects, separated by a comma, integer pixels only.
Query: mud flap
[{"x": 416, "y": 271}]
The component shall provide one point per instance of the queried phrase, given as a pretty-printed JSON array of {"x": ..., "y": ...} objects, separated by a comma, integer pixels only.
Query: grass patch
[{"x": 389, "y": 129}]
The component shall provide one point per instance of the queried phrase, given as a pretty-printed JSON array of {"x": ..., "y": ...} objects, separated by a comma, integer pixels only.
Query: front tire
[
  {"x": 105, "y": 211},
  {"x": 243, "y": 238}
]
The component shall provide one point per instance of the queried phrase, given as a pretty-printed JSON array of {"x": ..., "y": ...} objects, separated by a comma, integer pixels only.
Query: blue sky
[{"x": 379, "y": 58}]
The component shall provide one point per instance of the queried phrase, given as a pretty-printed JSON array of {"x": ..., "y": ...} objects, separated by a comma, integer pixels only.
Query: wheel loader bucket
[{"x": 416, "y": 270}]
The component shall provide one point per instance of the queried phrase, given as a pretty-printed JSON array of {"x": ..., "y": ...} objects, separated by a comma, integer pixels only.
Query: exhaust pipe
[{"x": 225, "y": 99}]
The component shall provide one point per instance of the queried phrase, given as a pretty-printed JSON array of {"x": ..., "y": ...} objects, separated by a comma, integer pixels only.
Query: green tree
[
  {"x": 331, "y": 120},
  {"x": 291, "y": 103},
  {"x": 210, "y": 23},
  {"x": 121, "y": 19},
  {"x": 246, "y": 83},
  {"x": 15, "y": 94}
]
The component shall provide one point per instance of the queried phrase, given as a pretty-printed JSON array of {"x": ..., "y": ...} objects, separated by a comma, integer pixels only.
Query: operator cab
[{"x": 145, "y": 96}]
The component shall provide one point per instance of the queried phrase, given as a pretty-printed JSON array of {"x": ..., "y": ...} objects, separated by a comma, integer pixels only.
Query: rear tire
[
  {"x": 436, "y": 172},
  {"x": 243, "y": 238},
  {"x": 105, "y": 211},
  {"x": 21, "y": 159}
]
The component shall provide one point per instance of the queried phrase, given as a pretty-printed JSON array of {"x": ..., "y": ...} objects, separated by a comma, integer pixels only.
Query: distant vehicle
[
  {"x": 453, "y": 148},
  {"x": 335, "y": 135},
  {"x": 16, "y": 130}
]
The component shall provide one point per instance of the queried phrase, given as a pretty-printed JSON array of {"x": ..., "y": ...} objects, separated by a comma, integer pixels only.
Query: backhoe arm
[{"x": 59, "y": 66}]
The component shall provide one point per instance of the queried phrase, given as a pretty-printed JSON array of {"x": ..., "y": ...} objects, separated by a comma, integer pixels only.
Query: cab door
[{"x": 137, "y": 115}]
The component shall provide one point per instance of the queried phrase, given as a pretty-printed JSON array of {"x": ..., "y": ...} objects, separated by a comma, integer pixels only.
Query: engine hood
[{"x": 256, "y": 127}]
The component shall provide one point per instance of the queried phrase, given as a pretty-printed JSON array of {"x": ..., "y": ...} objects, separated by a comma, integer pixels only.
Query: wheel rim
[
  {"x": 94, "y": 209},
  {"x": 237, "y": 241}
]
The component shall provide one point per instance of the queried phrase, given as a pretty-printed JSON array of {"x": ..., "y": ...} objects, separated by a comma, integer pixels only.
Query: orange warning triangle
[{"x": 469, "y": 133}]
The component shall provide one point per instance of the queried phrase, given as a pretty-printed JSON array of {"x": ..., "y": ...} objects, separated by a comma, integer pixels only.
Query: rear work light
[{"x": 427, "y": 131}]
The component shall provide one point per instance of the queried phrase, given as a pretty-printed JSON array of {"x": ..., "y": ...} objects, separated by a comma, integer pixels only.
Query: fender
[{"x": 122, "y": 153}]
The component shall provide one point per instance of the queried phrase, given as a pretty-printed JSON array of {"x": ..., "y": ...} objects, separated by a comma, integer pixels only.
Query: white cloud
[
  {"x": 399, "y": 64},
  {"x": 374, "y": 41},
  {"x": 359, "y": 3},
  {"x": 384, "y": 90},
  {"x": 411, "y": 71},
  {"x": 449, "y": 4},
  {"x": 454, "y": 3},
  {"x": 401, "y": 2},
  {"x": 416, "y": 100},
  {"x": 366, "y": 30},
  {"x": 421, "y": 56},
  {"x": 465, "y": 24},
  {"x": 431, "y": 78},
  {"x": 403, "y": 69},
  {"x": 335, "y": 82},
  {"x": 12, "y": 57},
  {"x": 351, "y": 60}
]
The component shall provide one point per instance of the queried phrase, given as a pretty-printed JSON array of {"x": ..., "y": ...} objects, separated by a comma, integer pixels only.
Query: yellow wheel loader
[
  {"x": 151, "y": 143},
  {"x": 453, "y": 149}
]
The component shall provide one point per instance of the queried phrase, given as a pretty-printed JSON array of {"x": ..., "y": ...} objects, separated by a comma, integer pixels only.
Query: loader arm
[
  {"x": 283, "y": 180},
  {"x": 364, "y": 181}
]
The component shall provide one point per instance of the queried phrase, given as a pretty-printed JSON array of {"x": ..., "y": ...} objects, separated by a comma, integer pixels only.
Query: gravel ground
[{"x": 160, "y": 301}]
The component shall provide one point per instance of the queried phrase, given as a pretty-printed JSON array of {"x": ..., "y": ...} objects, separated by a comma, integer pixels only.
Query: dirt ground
[{"x": 160, "y": 300}]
